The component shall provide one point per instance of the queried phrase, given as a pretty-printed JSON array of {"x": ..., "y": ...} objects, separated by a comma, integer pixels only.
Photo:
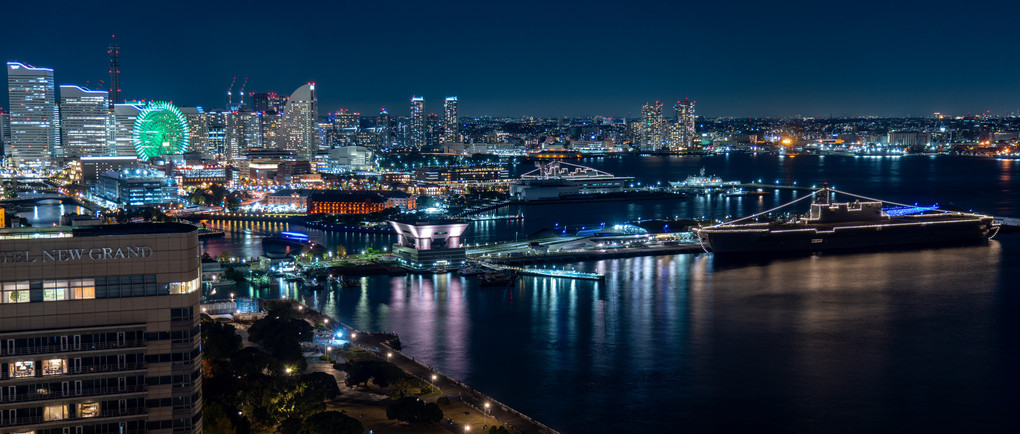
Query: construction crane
[
  {"x": 241, "y": 105},
  {"x": 230, "y": 93}
]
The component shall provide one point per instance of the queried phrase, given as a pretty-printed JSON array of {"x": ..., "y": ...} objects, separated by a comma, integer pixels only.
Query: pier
[
  {"x": 575, "y": 249},
  {"x": 763, "y": 186},
  {"x": 483, "y": 208},
  {"x": 545, "y": 272}
]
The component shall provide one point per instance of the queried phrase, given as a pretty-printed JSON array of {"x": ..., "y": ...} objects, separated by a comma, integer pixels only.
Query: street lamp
[
  {"x": 434, "y": 378},
  {"x": 486, "y": 413},
  {"x": 389, "y": 355}
]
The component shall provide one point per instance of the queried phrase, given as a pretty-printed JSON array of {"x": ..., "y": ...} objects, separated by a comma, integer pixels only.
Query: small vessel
[
  {"x": 737, "y": 192},
  {"x": 289, "y": 244},
  {"x": 497, "y": 278},
  {"x": 471, "y": 270},
  {"x": 860, "y": 225},
  {"x": 348, "y": 283}
]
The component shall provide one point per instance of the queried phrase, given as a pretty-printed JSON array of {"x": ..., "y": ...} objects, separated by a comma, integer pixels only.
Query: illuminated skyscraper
[
  {"x": 382, "y": 128},
  {"x": 433, "y": 129},
  {"x": 218, "y": 131},
  {"x": 35, "y": 135},
  {"x": 266, "y": 102},
  {"x": 683, "y": 113},
  {"x": 5, "y": 131},
  {"x": 451, "y": 132},
  {"x": 123, "y": 142},
  {"x": 246, "y": 133},
  {"x": 417, "y": 136},
  {"x": 198, "y": 127},
  {"x": 652, "y": 127},
  {"x": 84, "y": 119},
  {"x": 272, "y": 130},
  {"x": 300, "y": 118}
]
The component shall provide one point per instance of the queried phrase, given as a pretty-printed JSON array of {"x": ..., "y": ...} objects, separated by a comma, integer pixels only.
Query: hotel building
[{"x": 99, "y": 330}]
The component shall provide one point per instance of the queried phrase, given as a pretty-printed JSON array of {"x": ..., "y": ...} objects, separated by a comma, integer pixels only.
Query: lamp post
[{"x": 486, "y": 413}]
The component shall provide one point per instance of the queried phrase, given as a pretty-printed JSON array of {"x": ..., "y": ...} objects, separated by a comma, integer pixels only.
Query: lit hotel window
[
  {"x": 23, "y": 369},
  {"x": 55, "y": 412},
  {"x": 83, "y": 289},
  {"x": 54, "y": 290},
  {"x": 88, "y": 409},
  {"x": 54, "y": 367},
  {"x": 184, "y": 287},
  {"x": 14, "y": 292}
]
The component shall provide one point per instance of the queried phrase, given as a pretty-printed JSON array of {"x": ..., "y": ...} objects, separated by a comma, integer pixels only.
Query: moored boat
[{"x": 497, "y": 278}]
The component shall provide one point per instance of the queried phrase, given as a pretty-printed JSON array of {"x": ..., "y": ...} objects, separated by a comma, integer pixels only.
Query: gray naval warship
[{"x": 857, "y": 225}]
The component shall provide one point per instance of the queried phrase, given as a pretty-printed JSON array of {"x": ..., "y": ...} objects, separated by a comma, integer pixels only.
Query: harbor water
[{"x": 921, "y": 340}]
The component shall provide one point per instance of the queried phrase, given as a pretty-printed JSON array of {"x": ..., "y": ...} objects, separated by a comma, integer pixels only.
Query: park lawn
[
  {"x": 375, "y": 418},
  {"x": 357, "y": 354}
]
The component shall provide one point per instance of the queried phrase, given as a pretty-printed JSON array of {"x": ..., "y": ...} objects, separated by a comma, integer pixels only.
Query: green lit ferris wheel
[{"x": 160, "y": 129}]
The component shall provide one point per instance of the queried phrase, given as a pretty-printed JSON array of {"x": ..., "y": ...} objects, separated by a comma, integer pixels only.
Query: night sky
[{"x": 735, "y": 58}]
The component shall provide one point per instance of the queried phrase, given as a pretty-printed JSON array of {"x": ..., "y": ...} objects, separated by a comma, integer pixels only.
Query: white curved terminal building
[{"x": 430, "y": 245}]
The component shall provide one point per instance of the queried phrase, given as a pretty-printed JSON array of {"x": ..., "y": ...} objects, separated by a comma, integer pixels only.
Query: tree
[
  {"x": 332, "y": 422},
  {"x": 324, "y": 382},
  {"x": 233, "y": 202},
  {"x": 219, "y": 341},
  {"x": 215, "y": 420},
  {"x": 251, "y": 362},
  {"x": 400, "y": 388},
  {"x": 286, "y": 399},
  {"x": 381, "y": 373},
  {"x": 281, "y": 335},
  {"x": 498, "y": 430},
  {"x": 414, "y": 411}
]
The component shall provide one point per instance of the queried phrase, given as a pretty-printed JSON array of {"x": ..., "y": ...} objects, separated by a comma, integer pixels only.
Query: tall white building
[
  {"x": 417, "y": 136},
  {"x": 35, "y": 132},
  {"x": 123, "y": 141},
  {"x": 451, "y": 130},
  {"x": 84, "y": 119},
  {"x": 300, "y": 119}
]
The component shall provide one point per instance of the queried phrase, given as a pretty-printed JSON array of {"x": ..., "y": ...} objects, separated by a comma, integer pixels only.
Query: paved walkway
[{"x": 498, "y": 412}]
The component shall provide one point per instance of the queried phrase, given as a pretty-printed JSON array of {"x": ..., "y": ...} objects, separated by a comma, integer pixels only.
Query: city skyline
[{"x": 554, "y": 60}]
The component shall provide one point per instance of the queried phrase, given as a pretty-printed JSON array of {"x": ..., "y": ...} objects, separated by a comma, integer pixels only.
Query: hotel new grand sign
[{"x": 94, "y": 254}]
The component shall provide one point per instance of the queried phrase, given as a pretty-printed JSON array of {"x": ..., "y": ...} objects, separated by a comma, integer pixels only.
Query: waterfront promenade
[{"x": 499, "y": 413}]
